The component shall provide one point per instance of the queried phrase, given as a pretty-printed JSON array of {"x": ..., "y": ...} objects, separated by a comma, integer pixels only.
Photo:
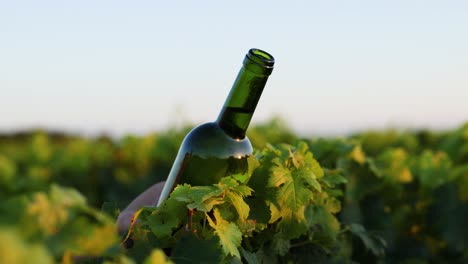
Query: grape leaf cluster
[{"x": 286, "y": 201}]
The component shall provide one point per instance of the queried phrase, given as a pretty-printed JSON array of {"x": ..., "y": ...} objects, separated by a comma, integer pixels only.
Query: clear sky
[{"x": 138, "y": 66}]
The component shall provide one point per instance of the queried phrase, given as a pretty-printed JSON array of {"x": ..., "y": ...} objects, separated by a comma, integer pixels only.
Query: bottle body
[
  {"x": 217, "y": 149},
  {"x": 206, "y": 155}
]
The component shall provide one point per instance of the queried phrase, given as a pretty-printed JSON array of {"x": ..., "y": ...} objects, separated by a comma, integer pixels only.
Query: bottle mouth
[{"x": 261, "y": 57}]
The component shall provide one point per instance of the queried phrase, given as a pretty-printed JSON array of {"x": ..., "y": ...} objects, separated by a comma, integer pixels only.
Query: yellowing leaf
[
  {"x": 7, "y": 170},
  {"x": 229, "y": 234},
  {"x": 157, "y": 256},
  {"x": 238, "y": 202},
  {"x": 405, "y": 176},
  {"x": 357, "y": 154},
  {"x": 394, "y": 165},
  {"x": 99, "y": 240},
  {"x": 15, "y": 250},
  {"x": 293, "y": 178},
  {"x": 47, "y": 216}
]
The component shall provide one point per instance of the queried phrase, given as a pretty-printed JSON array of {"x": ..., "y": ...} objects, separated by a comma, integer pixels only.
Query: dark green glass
[{"x": 216, "y": 149}]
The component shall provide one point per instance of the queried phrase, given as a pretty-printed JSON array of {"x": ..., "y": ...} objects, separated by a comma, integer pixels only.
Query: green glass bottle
[{"x": 217, "y": 149}]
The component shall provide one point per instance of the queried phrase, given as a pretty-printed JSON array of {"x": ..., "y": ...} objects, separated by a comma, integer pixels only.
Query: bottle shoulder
[{"x": 209, "y": 140}]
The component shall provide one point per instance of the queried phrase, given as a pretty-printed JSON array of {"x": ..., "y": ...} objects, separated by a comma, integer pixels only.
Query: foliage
[
  {"x": 55, "y": 225},
  {"x": 299, "y": 207},
  {"x": 374, "y": 197}
]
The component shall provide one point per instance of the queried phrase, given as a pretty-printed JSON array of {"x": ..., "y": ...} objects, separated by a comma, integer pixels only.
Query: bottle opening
[
  {"x": 261, "y": 57},
  {"x": 262, "y": 54}
]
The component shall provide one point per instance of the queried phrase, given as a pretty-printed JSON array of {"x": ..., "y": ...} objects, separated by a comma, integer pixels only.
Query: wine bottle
[{"x": 213, "y": 150}]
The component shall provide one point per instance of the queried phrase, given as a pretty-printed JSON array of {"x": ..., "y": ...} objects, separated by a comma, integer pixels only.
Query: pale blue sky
[{"x": 132, "y": 66}]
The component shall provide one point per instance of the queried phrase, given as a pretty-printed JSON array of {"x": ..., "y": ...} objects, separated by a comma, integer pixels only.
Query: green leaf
[
  {"x": 111, "y": 209},
  {"x": 333, "y": 178},
  {"x": 250, "y": 257},
  {"x": 190, "y": 249},
  {"x": 325, "y": 224},
  {"x": 202, "y": 198},
  {"x": 259, "y": 210},
  {"x": 229, "y": 234},
  {"x": 266, "y": 256},
  {"x": 312, "y": 181},
  {"x": 372, "y": 242},
  {"x": 228, "y": 183},
  {"x": 447, "y": 217},
  {"x": 205, "y": 197},
  {"x": 279, "y": 245},
  {"x": 433, "y": 169},
  {"x": 242, "y": 178},
  {"x": 168, "y": 216}
]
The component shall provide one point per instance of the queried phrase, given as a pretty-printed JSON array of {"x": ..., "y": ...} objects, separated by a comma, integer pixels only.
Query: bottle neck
[{"x": 242, "y": 100}]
